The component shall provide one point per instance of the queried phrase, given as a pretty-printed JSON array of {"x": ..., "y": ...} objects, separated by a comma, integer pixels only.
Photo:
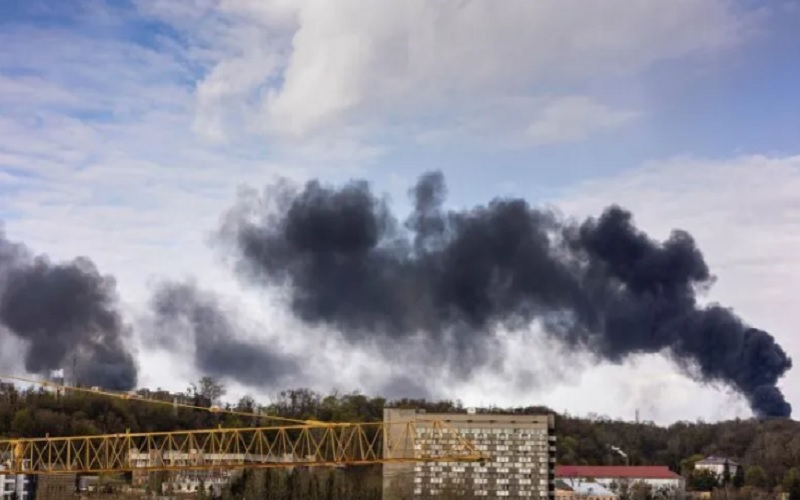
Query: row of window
[
  {"x": 455, "y": 475},
  {"x": 485, "y": 431},
  {"x": 486, "y": 493}
]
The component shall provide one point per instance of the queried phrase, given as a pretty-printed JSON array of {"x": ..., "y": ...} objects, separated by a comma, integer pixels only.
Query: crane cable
[{"x": 136, "y": 397}]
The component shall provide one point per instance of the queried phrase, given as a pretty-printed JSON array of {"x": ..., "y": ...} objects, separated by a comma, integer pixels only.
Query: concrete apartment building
[
  {"x": 15, "y": 486},
  {"x": 520, "y": 464}
]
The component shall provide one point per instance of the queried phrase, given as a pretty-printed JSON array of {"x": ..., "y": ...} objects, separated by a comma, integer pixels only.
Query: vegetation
[{"x": 768, "y": 450}]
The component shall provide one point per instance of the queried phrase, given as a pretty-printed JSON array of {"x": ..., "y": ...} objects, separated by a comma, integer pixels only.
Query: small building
[
  {"x": 57, "y": 486},
  {"x": 619, "y": 477},
  {"x": 583, "y": 490},
  {"x": 210, "y": 471},
  {"x": 717, "y": 466}
]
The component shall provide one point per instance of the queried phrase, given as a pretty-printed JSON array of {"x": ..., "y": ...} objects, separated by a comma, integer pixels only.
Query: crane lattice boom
[{"x": 317, "y": 444}]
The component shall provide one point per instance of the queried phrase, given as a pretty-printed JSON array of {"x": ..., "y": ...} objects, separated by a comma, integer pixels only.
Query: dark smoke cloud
[
  {"x": 403, "y": 387},
  {"x": 67, "y": 314},
  {"x": 218, "y": 351},
  {"x": 601, "y": 285}
]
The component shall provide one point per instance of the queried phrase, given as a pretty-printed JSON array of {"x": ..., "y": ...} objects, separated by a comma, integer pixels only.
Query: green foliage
[
  {"x": 303, "y": 483},
  {"x": 703, "y": 480},
  {"x": 791, "y": 483},
  {"x": 738, "y": 477},
  {"x": 755, "y": 477},
  {"x": 687, "y": 464},
  {"x": 772, "y": 444}
]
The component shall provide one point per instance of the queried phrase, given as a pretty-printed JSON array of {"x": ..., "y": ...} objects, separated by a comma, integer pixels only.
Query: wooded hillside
[{"x": 769, "y": 450}]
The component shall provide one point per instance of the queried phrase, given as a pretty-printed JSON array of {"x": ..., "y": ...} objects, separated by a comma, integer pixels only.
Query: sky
[{"x": 127, "y": 128}]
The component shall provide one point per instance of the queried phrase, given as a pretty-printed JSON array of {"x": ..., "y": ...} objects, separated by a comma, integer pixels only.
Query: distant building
[
  {"x": 583, "y": 490},
  {"x": 717, "y": 465},
  {"x": 617, "y": 478},
  {"x": 188, "y": 480},
  {"x": 163, "y": 395},
  {"x": 15, "y": 486},
  {"x": 58, "y": 387},
  {"x": 56, "y": 486},
  {"x": 520, "y": 449}
]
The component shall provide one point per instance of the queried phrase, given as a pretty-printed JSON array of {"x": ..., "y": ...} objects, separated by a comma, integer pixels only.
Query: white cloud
[
  {"x": 573, "y": 118},
  {"x": 308, "y": 67}
]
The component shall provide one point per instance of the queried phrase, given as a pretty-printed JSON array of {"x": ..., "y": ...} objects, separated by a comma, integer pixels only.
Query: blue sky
[{"x": 126, "y": 128}]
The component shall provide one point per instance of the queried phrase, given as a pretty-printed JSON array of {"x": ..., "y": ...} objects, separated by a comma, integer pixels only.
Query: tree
[
  {"x": 738, "y": 477},
  {"x": 726, "y": 473},
  {"x": 246, "y": 404},
  {"x": 641, "y": 491},
  {"x": 687, "y": 464},
  {"x": 703, "y": 480},
  {"x": 791, "y": 483},
  {"x": 207, "y": 389},
  {"x": 755, "y": 477}
]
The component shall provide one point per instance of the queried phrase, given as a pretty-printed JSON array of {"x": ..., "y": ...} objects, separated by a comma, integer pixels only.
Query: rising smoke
[
  {"x": 600, "y": 285},
  {"x": 186, "y": 315},
  {"x": 67, "y": 315}
]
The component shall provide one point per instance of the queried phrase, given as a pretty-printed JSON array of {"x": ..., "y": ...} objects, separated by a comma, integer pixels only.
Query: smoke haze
[
  {"x": 185, "y": 314},
  {"x": 67, "y": 314},
  {"x": 600, "y": 285}
]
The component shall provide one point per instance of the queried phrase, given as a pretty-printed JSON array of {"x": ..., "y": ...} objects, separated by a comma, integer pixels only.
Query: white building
[
  {"x": 616, "y": 477},
  {"x": 717, "y": 466},
  {"x": 206, "y": 476},
  {"x": 17, "y": 486},
  {"x": 583, "y": 490},
  {"x": 521, "y": 452}
]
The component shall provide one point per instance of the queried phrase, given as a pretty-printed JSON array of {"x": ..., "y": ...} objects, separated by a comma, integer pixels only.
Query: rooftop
[
  {"x": 712, "y": 460},
  {"x": 620, "y": 471}
]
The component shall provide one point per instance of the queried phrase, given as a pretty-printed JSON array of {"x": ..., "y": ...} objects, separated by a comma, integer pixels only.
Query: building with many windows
[
  {"x": 15, "y": 486},
  {"x": 520, "y": 460}
]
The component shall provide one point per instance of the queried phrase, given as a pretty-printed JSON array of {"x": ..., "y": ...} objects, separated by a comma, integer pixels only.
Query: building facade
[
  {"x": 583, "y": 490},
  {"x": 620, "y": 477},
  {"x": 15, "y": 486},
  {"x": 213, "y": 470},
  {"x": 520, "y": 462},
  {"x": 717, "y": 465}
]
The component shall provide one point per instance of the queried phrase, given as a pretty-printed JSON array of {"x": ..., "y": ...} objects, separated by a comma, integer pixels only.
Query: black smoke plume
[
  {"x": 601, "y": 285},
  {"x": 67, "y": 314},
  {"x": 184, "y": 314}
]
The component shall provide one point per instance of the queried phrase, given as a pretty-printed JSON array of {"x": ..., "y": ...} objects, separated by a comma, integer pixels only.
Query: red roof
[{"x": 621, "y": 471}]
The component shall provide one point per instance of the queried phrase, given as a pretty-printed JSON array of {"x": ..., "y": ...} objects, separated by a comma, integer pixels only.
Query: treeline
[
  {"x": 768, "y": 450},
  {"x": 355, "y": 483}
]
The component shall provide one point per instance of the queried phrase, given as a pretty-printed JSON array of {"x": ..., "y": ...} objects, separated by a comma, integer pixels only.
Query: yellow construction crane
[{"x": 298, "y": 443}]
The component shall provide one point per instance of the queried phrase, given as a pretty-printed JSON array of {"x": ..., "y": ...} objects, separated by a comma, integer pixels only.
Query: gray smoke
[
  {"x": 600, "y": 285},
  {"x": 67, "y": 313},
  {"x": 185, "y": 314}
]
